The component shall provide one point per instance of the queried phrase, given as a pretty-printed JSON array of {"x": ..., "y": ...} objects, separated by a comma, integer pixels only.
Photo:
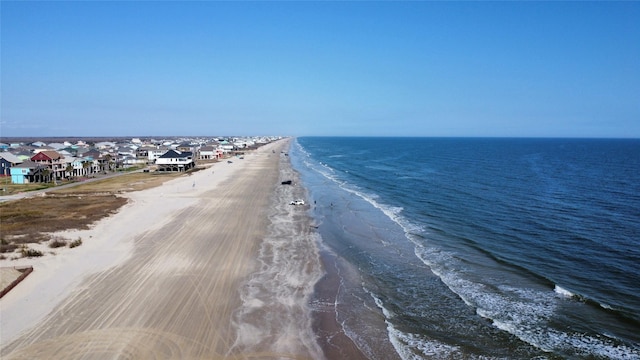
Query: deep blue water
[{"x": 481, "y": 248}]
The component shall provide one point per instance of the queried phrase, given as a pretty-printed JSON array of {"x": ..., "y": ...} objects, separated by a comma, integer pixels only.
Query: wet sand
[{"x": 334, "y": 342}]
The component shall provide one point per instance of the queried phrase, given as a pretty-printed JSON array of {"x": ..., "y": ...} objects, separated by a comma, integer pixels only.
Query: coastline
[
  {"x": 274, "y": 317},
  {"x": 135, "y": 263},
  {"x": 331, "y": 337},
  {"x": 324, "y": 291},
  {"x": 159, "y": 278},
  {"x": 294, "y": 293}
]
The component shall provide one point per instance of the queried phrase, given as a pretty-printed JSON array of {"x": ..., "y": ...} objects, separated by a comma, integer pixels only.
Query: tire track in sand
[{"x": 175, "y": 297}]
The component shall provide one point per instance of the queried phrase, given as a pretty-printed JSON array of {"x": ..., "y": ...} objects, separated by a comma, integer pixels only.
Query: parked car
[{"x": 297, "y": 202}]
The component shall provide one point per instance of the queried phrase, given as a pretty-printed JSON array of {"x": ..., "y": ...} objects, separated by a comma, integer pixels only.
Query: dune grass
[{"x": 32, "y": 220}]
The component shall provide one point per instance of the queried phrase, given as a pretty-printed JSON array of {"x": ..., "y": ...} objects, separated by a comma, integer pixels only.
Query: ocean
[{"x": 479, "y": 248}]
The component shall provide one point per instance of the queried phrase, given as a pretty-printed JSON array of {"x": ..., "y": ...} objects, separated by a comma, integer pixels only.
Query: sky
[{"x": 330, "y": 68}]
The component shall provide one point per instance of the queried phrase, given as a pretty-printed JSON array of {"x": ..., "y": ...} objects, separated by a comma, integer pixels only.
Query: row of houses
[
  {"x": 40, "y": 162},
  {"x": 49, "y": 165}
]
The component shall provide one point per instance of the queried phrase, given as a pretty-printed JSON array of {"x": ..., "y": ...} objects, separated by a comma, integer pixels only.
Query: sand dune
[{"x": 168, "y": 276}]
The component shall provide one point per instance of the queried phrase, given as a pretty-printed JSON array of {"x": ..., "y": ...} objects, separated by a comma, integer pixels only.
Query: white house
[
  {"x": 174, "y": 160},
  {"x": 210, "y": 152}
]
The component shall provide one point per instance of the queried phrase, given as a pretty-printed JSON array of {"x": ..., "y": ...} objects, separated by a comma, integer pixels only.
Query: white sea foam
[
  {"x": 411, "y": 346},
  {"x": 606, "y": 306},
  {"x": 301, "y": 149},
  {"x": 563, "y": 292},
  {"x": 585, "y": 345},
  {"x": 569, "y": 295},
  {"x": 522, "y": 312},
  {"x": 513, "y": 308},
  {"x": 394, "y": 213}
]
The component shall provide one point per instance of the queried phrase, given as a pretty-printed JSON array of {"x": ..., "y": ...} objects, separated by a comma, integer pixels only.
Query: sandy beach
[{"x": 186, "y": 270}]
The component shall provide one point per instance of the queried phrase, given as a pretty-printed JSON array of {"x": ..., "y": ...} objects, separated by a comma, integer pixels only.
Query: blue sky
[{"x": 320, "y": 68}]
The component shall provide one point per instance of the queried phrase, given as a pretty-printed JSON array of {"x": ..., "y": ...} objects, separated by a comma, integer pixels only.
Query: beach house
[
  {"x": 28, "y": 172},
  {"x": 7, "y": 160},
  {"x": 51, "y": 160},
  {"x": 174, "y": 160},
  {"x": 209, "y": 152}
]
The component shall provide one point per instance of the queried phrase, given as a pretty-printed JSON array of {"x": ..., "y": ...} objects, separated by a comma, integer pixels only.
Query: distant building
[
  {"x": 27, "y": 172},
  {"x": 209, "y": 153},
  {"x": 174, "y": 160},
  {"x": 51, "y": 160},
  {"x": 7, "y": 160},
  {"x": 151, "y": 153}
]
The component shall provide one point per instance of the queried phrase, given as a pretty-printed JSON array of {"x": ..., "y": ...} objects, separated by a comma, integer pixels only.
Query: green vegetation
[
  {"x": 75, "y": 243},
  {"x": 34, "y": 219},
  {"x": 28, "y": 252},
  {"x": 56, "y": 243},
  {"x": 7, "y": 188}
]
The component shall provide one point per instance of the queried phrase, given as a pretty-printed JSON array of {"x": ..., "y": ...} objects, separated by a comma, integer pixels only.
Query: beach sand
[{"x": 181, "y": 272}]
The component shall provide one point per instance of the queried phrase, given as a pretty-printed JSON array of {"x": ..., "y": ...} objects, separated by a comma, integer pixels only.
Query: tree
[
  {"x": 113, "y": 163},
  {"x": 107, "y": 158},
  {"x": 85, "y": 166},
  {"x": 46, "y": 175},
  {"x": 69, "y": 170}
]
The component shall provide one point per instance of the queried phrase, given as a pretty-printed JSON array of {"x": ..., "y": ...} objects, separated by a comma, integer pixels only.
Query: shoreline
[
  {"x": 275, "y": 313},
  {"x": 126, "y": 257},
  {"x": 346, "y": 319},
  {"x": 323, "y": 297},
  {"x": 334, "y": 342}
]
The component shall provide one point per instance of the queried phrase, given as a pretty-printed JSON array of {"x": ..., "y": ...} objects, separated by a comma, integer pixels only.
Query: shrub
[
  {"x": 56, "y": 243},
  {"x": 75, "y": 243},
  {"x": 28, "y": 252}
]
